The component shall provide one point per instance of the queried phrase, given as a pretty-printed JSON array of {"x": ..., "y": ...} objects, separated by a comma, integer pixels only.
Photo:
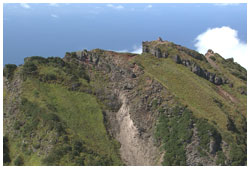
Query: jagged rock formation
[
  {"x": 193, "y": 66},
  {"x": 168, "y": 106}
]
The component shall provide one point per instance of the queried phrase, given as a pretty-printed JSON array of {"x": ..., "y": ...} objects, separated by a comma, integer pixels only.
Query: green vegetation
[
  {"x": 235, "y": 69},
  {"x": 230, "y": 125},
  {"x": 213, "y": 58},
  {"x": 238, "y": 155},
  {"x": 206, "y": 132},
  {"x": 18, "y": 161},
  {"x": 203, "y": 99},
  {"x": 174, "y": 133},
  {"x": 6, "y": 156},
  {"x": 58, "y": 116},
  {"x": 220, "y": 158},
  {"x": 57, "y": 113},
  {"x": 8, "y": 70},
  {"x": 195, "y": 92}
]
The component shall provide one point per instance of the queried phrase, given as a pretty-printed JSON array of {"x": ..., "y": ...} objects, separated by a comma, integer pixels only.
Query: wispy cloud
[
  {"x": 54, "y": 16},
  {"x": 225, "y": 41},
  {"x": 136, "y": 49},
  {"x": 226, "y": 4},
  {"x": 54, "y": 4},
  {"x": 24, "y": 5},
  {"x": 148, "y": 6},
  {"x": 115, "y": 6},
  {"x": 122, "y": 51}
]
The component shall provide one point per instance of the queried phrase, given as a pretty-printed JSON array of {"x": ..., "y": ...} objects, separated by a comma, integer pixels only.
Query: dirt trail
[
  {"x": 134, "y": 149},
  {"x": 212, "y": 63},
  {"x": 222, "y": 92},
  {"x": 226, "y": 95}
]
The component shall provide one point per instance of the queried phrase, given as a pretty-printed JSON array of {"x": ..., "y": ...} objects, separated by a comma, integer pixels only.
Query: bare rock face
[
  {"x": 177, "y": 59},
  {"x": 135, "y": 150},
  {"x": 194, "y": 157},
  {"x": 212, "y": 146},
  {"x": 145, "y": 48},
  {"x": 133, "y": 101},
  {"x": 194, "y": 67},
  {"x": 129, "y": 122},
  {"x": 160, "y": 39},
  {"x": 158, "y": 53}
]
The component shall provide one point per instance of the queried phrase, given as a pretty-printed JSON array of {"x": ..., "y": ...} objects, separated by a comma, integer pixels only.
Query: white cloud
[
  {"x": 148, "y": 6},
  {"x": 225, "y": 41},
  {"x": 54, "y": 4},
  {"x": 54, "y": 15},
  {"x": 136, "y": 49},
  {"x": 24, "y": 5},
  {"x": 115, "y": 6}
]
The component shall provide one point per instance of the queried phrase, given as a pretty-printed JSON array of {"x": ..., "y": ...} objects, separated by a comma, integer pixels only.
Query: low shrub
[
  {"x": 19, "y": 161},
  {"x": 9, "y": 70},
  {"x": 238, "y": 155},
  {"x": 174, "y": 133},
  {"x": 221, "y": 158},
  {"x": 35, "y": 60},
  {"x": 207, "y": 131},
  {"x": 6, "y": 156},
  {"x": 29, "y": 68}
]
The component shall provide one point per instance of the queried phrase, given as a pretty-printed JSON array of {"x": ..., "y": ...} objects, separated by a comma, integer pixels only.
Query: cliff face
[{"x": 167, "y": 106}]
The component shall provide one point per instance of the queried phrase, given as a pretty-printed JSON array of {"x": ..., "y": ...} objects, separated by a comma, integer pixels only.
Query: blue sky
[{"x": 53, "y": 29}]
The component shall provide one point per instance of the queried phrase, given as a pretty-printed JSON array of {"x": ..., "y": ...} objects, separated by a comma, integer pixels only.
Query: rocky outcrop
[
  {"x": 194, "y": 67},
  {"x": 213, "y": 78},
  {"x": 193, "y": 152},
  {"x": 210, "y": 52},
  {"x": 177, "y": 59},
  {"x": 131, "y": 123},
  {"x": 154, "y": 51},
  {"x": 133, "y": 100}
]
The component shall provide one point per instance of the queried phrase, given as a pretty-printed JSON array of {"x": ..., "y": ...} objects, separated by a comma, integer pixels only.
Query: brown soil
[{"x": 226, "y": 95}]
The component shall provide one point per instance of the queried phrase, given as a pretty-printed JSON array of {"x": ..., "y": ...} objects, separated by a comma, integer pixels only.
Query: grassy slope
[
  {"x": 191, "y": 90},
  {"x": 80, "y": 111},
  {"x": 237, "y": 83},
  {"x": 83, "y": 114}
]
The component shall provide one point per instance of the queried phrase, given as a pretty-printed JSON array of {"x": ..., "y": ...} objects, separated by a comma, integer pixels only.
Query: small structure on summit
[
  {"x": 210, "y": 51},
  {"x": 160, "y": 39}
]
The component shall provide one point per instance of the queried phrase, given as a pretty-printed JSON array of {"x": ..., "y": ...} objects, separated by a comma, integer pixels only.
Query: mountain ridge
[{"x": 176, "y": 106}]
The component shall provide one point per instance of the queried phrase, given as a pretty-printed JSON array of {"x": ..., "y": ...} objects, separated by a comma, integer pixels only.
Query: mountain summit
[{"x": 167, "y": 106}]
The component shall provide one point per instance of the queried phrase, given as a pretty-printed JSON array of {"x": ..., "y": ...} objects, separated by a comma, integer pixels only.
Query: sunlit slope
[
  {"x": 198, "y": 94},
  {"x": 52, "y": 118}
]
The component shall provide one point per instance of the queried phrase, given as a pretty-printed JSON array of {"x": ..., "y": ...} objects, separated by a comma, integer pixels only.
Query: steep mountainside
[{"x": 168, "y": 106}]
